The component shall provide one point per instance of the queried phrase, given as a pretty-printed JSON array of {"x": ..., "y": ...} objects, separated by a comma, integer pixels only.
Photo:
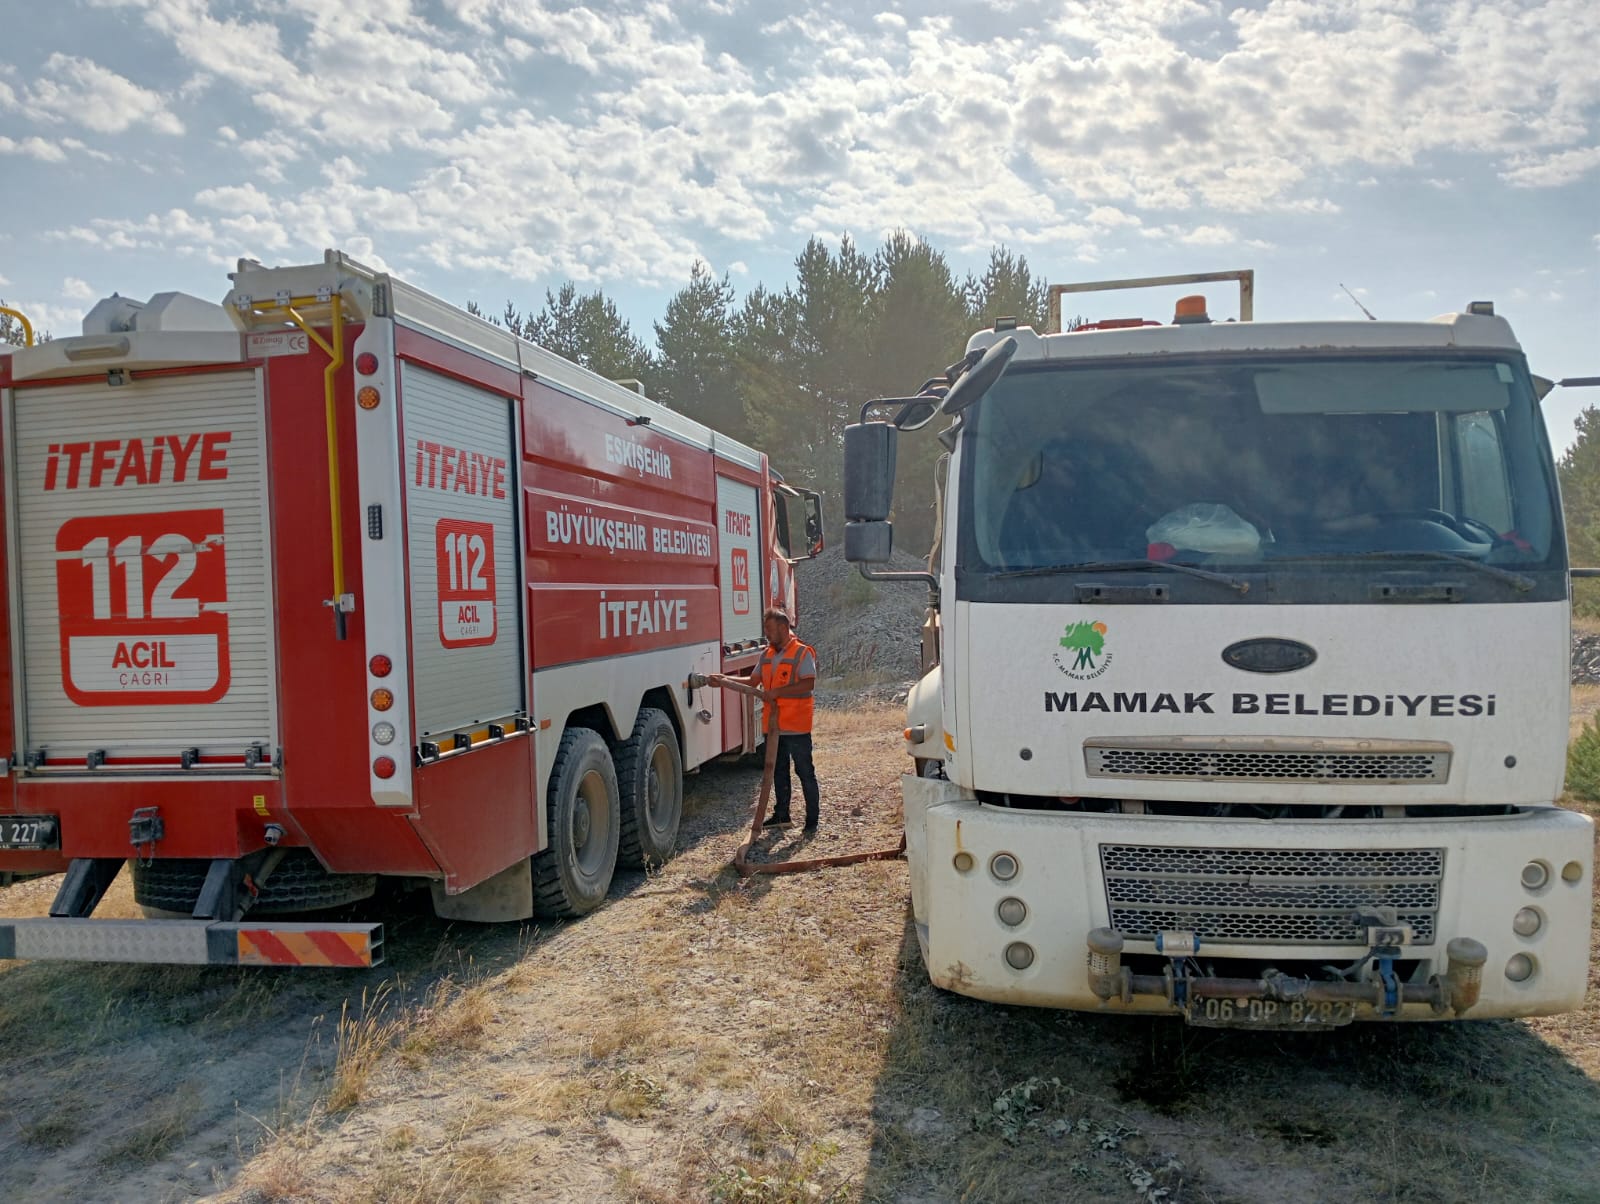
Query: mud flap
[{"x": 506, "y": 896}]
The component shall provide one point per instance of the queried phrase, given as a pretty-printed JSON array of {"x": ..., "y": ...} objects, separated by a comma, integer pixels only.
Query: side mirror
[
  {"x": 979, "y": 379},
  {"x": 869, "y": 449},
  {"x": 815, "y": 541},
  {"x": 868, "y": 542}
]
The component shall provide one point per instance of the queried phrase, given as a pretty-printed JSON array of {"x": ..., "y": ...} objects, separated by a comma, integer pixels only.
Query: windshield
[{"x": 1242, "y": 464}]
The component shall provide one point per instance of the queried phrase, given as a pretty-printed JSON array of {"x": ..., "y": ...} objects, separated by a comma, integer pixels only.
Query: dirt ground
[{"x": 705, "y": 1039}]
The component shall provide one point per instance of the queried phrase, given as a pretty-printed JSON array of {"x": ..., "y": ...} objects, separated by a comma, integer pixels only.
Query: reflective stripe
[{"x": 192, "y": 942}]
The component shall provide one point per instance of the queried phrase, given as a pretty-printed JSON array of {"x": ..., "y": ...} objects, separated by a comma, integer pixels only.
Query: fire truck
[
  {"x": 334, "y": 582},
  {"x": 1246, "y": 690}
]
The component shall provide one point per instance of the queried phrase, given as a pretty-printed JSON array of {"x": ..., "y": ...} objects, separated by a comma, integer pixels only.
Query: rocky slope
[{"x": 865, "y": 633}]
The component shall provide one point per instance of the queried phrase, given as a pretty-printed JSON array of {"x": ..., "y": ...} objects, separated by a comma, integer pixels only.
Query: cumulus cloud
[
  {"x": 613, "y": 141},
  {"x": 34, "y": 147},
  {"x": 82, "y": 92},
  {"x": 1552, "y": 171}
]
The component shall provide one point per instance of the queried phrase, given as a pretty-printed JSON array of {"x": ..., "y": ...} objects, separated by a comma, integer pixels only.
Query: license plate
[
  {"x": 29, "y": 832},
  {"x": 1293, "y": 1016}
]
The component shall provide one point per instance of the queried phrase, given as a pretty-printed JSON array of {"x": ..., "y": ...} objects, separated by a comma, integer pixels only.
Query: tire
[
  {"x": 298, "y": 883},
  {"x": 650, "y": 783},
  {"x": 572, "y": 876}
]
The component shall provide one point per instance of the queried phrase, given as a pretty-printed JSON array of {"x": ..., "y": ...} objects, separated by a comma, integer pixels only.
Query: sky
[{"x": 1421, "y": 154}]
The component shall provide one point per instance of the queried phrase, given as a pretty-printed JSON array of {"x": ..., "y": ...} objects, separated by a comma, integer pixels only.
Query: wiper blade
[
  {"x": 1123, "y": 566},
  {"x": 1522, "y": 584}
]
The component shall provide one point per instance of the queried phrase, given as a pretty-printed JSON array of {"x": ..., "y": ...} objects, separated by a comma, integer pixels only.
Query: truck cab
[{"x": 1247, "y": 697}]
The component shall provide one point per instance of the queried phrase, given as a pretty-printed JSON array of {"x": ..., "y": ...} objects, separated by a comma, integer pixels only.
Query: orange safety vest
[{"x": 777, "y": 668}]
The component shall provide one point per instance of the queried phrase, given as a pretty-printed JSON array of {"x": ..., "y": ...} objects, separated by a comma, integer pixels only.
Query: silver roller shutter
[
  {"x": 739, "y": 550},
  {"x": 466, "y": 618},
  {"x": 141, "y": 568}
]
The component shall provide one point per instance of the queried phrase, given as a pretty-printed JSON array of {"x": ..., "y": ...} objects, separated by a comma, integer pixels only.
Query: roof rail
[{"x": 1245, "y": 276}]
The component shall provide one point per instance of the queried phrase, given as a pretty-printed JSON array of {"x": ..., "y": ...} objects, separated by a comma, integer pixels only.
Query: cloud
[
  {"x": 175, "y": 231},
  {"x": 74, "y": 289},
  {"x": 1199, "y": 236},
  {"x": 1552, "y": 171},
  {"x": 616, "y": 141},
  {"x": 78, "y": 147},
  {"x": 49, "y": 317},
  {"x": 34, "y": 148},
  {"x": 82, "y": 92},
  {"x": 1109, "y": 217},
  {"x": 362, "y": 71}
]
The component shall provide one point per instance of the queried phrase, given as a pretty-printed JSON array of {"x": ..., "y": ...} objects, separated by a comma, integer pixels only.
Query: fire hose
[{"x": 741, "y": 862}]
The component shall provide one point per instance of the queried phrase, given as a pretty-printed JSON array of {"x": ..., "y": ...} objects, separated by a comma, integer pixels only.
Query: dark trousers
[{"x": 798, "y": 749}]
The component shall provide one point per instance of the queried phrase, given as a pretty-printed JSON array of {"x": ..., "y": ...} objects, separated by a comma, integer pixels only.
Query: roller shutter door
[{"x": 461, "y": 504}]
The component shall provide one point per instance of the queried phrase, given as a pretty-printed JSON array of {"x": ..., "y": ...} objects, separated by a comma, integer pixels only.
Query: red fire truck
[{"x": 337, "y": 581}]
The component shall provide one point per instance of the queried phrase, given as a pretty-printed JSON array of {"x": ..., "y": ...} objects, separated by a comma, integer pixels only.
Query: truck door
[{"x": 141, "y": 582}]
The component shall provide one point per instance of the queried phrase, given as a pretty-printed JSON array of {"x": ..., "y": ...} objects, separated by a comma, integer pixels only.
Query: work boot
[{"x": 778, "y": 821}]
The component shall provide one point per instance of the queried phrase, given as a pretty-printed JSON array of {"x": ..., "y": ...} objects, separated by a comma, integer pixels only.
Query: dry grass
[
  {"x": 453, "y": 1019},
  {"x": 1585, "y": 705},
  {"x": 365, "y": 1034},
  {"x": 463, "y": 1173}
]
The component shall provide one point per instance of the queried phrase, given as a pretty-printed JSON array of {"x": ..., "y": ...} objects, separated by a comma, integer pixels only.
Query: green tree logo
[{"x": 1088, "y": 640}]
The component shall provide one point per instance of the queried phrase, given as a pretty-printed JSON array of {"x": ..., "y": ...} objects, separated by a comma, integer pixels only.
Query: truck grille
[
  {"x": 1281, "y": 761},
  {"x": 1269, "y": 896}
]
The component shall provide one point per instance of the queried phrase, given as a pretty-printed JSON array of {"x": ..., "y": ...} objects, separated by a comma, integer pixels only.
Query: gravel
[{"x": 1585, "y": 659}]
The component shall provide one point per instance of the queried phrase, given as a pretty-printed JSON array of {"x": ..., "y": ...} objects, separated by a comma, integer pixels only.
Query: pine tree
[
  {"x": 587, "y": 329},
  {"x": 801, "y": 356},
  {"x": 920, "y": 325},
  {"x": 695, "y": 371},
  {"x": 1007, "y": 289}
]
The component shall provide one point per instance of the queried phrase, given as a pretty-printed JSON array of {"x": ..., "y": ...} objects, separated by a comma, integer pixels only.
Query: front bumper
[{"x": 1059, "y": 882}]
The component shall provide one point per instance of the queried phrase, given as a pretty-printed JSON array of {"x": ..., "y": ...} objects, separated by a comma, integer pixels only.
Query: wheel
[
  {"x": 572, "y": 876},
  {"x": 297, "y": 883},
  {"x": 650, "y": 784}
]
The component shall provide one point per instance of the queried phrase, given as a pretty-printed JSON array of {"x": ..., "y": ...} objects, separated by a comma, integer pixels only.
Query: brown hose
[{"x": 748, "y": 868}]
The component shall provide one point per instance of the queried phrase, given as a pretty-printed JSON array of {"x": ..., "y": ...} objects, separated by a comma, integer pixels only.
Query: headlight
[
  {"x": 1519, "y": 968},
  {"x": 1535, "y": 874},
  {"x": 1527, "y": 922}
]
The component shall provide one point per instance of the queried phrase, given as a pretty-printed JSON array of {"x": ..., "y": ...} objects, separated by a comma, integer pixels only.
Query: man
[{"x": 787, "y": 675}]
